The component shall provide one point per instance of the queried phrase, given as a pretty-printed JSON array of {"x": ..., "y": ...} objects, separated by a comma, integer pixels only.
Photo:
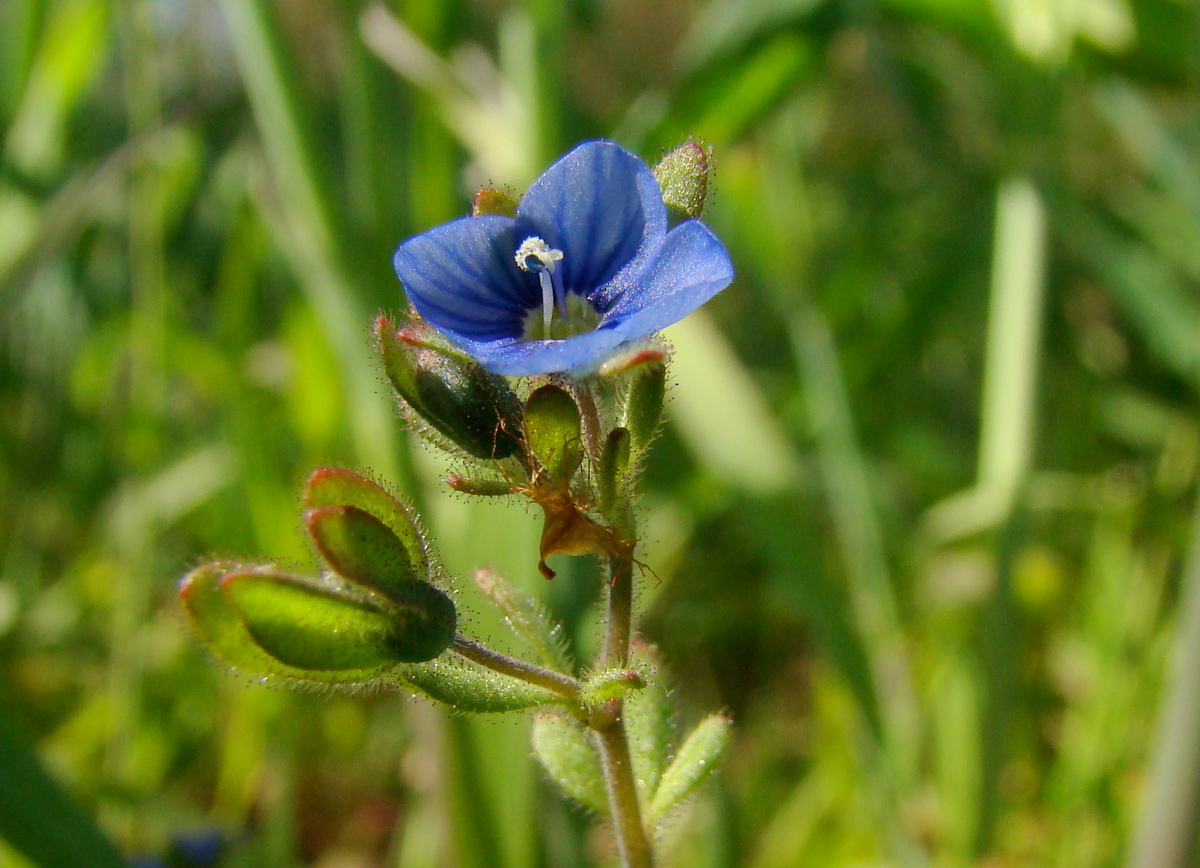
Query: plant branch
[{"x": 529, "y": 672}]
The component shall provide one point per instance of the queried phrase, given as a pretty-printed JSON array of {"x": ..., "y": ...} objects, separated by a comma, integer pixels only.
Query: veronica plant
[{"x": 530, "y": 355}]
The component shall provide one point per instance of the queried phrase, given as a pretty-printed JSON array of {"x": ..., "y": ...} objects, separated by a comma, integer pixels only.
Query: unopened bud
[
  {"x": 552, "y": 432},
  {"x": 683, "y": 176},
  {"x": 644, "y": 406},
  {"x": 472, "y": 407},
  {"x": 488, "y": 201},
  {"x": 478, "y": 487}
]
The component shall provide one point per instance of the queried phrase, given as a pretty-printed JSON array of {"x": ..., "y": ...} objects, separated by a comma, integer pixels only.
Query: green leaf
[
  {"x": 465, "y": 686},
  {"x": 527, "y": 619},
  {"x": 695, "y": 761},
  {"x": 335, "y": 487},
  {"x": 564, "y": 749},
  {"x": 649, "y": 727},
  {"x": 552, "y": 432},
  {"x": 361, "y": 548}
]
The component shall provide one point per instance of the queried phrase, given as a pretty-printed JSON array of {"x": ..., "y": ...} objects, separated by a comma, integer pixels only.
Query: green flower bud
[
  {"x": 614, "y": 466},
  {"x": 610, "y": 684},
  {"x": 683, "y": 177},
  {"x": 696, "y": 760},
  {"x": 488, "y": 201},
  {"x": 478, "y": 487},
  {"x": 644, "y": 406},
  {"x": 334, "y": 487},
  {"x": 470, "y": 406},
  {"x": 563, "y": 748},
  {"x": 552, "y": 433}
]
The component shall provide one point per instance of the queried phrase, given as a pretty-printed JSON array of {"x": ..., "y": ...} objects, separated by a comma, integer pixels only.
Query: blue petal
[
  {"x": 461, "y": 277},
  {"x": 690, "y": 267},
  {"x": 601, "y": 206},
  {"x": 516, "y": 358}
]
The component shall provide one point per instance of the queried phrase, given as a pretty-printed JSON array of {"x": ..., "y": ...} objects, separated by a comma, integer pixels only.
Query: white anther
[{"x": 534, "y": 254}]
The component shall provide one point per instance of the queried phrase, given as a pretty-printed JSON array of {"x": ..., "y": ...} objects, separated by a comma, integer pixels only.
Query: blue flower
[{"x": 586, "y": 265}]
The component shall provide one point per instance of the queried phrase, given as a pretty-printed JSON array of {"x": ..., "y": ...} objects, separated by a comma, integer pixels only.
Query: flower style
[{"x": 585, "y": 266}]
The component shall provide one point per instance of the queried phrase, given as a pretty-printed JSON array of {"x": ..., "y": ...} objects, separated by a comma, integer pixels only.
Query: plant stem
[
  {"x": 533, "y": 674},
  {"x": 609, "y": 725},
  {"x": 632, "y": 842},
  {"x": 620, "y": 612}
]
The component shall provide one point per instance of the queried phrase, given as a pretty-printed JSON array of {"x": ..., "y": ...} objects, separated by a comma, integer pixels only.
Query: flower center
[{"x": 561, "y": 315}]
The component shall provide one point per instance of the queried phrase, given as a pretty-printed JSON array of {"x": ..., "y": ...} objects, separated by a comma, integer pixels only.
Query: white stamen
[
  {"x": 536, "y": 255},
  {"x": 547, "y": 299}
]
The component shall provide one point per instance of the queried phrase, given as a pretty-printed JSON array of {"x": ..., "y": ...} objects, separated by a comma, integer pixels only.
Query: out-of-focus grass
[{"x": 919, "y": 515}]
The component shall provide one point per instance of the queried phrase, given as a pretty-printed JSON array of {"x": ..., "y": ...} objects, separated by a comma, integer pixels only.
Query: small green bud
[
  {"x": 488, "y": 201},
  {"x": 312, "y": 627},
  {"x": 478, "y": 487},
  {"x": 614, "y": 466},
  {"x": 468, "y": 687},
  {"x": 361, "y": 548},
  {"x": 683, "y": 176},
  {"x": 552, "y": 432},
  {"x": 334, "y": 487},
  {"x": 610, "y": 684},
  {"x": 696, "y": 760},
  {"x": 644, "y": 406},
  {"x": 472, "y": 407},
  {"x": 565, "y": 751}
]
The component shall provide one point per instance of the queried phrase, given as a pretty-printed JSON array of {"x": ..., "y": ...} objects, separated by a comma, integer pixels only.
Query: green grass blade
[{"x": 38, "y": 818}]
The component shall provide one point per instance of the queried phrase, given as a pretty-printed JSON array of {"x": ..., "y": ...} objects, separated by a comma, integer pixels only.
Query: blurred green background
[{"x": 920, "y": 519}]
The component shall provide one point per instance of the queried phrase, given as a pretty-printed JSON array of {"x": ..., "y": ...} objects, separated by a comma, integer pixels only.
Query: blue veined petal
[
  {"x": 690, "y": 267},
  {"x": 601, "y": 206},
  {"x": 462, "y": 279},
  {"x": 517, "y": 358}
]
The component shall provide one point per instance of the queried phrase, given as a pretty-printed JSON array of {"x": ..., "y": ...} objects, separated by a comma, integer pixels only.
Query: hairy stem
[
  {"x": 620, "y": 612},
  {"x": 632, "y": 842},
  {"x": 609, "y": 725},
  {"x": 502, "y": 663}
]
